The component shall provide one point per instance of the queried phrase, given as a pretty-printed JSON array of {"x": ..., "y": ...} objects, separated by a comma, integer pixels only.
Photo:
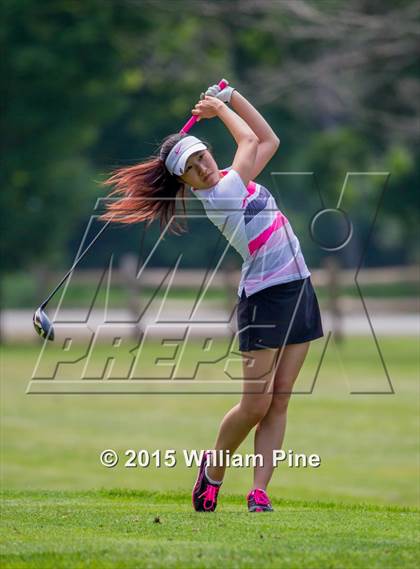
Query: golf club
[{"x": 42, "y": 323}]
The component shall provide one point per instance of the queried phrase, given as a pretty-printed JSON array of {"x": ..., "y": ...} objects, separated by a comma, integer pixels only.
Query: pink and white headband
[{"x": 179, "y": 154}]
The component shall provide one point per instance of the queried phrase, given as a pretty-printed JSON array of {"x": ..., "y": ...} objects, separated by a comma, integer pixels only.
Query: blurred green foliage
[{"x": 92, "y": 85}]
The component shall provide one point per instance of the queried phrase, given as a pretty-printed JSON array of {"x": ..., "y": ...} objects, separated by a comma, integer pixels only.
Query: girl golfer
[{"x": 278, "y": 313}]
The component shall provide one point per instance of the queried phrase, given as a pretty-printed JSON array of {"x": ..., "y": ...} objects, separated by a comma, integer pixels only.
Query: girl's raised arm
[
  {"x": 246, "y": 139},
  {"x": 269, "y": 141}
]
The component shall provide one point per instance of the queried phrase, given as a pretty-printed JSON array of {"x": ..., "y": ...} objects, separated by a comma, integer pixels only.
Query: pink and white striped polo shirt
[{"x": 252, "y": 223}]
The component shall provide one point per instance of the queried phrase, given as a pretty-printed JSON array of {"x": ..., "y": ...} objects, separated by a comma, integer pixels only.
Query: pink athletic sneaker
[
  {"x": 204, "y": 494},
  {"x": 258, "y": 501}
]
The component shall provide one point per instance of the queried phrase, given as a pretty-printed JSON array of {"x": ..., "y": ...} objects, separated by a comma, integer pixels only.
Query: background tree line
[{"x": 91, "y": 85}]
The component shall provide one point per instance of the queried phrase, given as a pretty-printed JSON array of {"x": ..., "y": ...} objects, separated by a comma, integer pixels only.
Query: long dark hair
[{"x": 148, "y": 191}]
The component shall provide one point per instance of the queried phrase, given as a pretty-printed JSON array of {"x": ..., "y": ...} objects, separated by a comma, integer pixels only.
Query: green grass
[
  {"x": 61, "y": 509},
  {"x": 368, "y": 443},
  {"x": 107, "y": 529}
]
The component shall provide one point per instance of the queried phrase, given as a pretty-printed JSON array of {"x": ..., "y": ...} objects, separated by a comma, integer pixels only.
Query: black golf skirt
[{"x": 278, "y": 315}]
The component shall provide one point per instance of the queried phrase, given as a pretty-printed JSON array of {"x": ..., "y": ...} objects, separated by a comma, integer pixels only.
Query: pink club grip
[{"x": 191, "y": 122}]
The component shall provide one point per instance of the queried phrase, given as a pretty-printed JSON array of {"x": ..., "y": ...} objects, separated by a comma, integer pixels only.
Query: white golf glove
[{"x": 223, "y": 95}]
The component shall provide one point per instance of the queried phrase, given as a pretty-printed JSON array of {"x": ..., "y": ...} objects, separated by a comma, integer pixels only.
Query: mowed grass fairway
[
  {"x": 129, "y": 529},
  {"x": 61, "y": 508}
]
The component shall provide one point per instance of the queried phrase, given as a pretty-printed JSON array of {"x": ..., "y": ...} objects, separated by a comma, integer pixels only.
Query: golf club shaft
[{"x": 77, "y": 261}]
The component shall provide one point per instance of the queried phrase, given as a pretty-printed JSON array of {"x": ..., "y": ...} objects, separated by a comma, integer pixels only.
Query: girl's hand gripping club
[{"x": 191, "y": 122}]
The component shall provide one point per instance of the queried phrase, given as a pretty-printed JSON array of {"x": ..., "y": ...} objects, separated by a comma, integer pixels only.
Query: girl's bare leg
[
  {"x": 269, "y": 433},
  {"x": 254, "y": 404}
]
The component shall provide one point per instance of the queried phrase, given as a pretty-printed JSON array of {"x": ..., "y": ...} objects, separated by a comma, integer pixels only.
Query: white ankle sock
[{"x": 215, "y": 482}]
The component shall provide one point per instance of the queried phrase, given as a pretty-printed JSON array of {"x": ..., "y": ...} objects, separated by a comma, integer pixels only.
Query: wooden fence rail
[{"x": 193, "y": 278}]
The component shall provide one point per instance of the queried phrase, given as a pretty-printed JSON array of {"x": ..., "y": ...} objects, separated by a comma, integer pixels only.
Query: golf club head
[{"x": 43, "y": 325}]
